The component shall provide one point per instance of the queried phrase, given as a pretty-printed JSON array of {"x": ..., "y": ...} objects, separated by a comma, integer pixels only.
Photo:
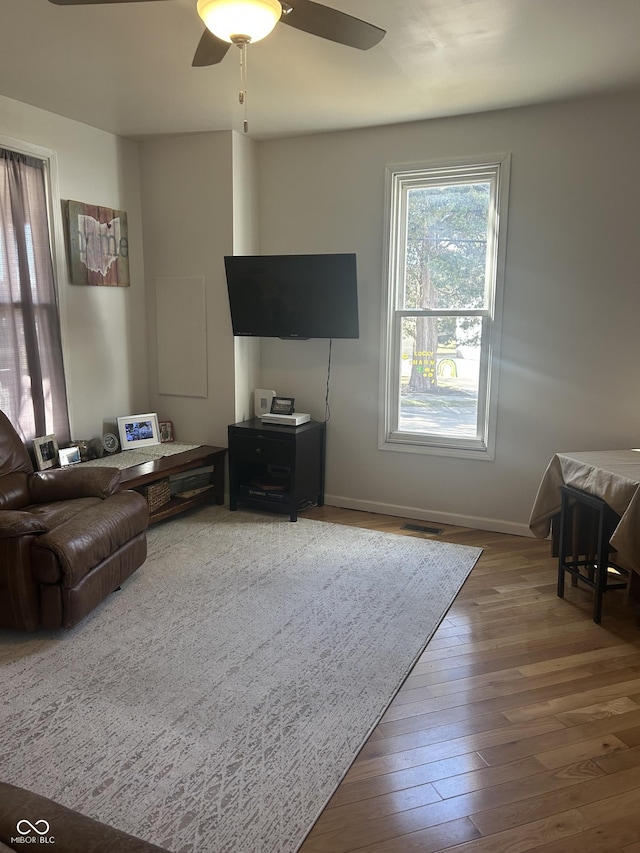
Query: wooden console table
[{"x": 163, "y": 468}]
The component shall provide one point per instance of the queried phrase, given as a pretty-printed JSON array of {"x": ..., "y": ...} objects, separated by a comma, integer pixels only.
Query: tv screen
[{"x": 293, "y": 296}]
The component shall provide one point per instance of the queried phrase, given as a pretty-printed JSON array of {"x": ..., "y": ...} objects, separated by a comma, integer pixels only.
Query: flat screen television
[{"x": 293, "y": 296}]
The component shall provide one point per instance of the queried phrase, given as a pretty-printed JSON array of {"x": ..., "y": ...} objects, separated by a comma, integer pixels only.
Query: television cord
[{"x": 327, "y": 408}]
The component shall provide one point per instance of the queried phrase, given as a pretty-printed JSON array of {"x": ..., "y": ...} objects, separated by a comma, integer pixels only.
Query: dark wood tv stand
[
  {"x": 161, "y": 469},
  {"x": 294, "y": 456}
]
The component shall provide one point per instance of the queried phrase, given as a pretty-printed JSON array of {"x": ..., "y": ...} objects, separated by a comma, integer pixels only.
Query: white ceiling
[{"x": 127, "y": 68}]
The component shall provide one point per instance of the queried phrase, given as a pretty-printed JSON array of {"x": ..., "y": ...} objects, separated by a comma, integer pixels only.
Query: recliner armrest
[
  {"x": 15, "y": 523},
  {"x": 64, "y": 484}
]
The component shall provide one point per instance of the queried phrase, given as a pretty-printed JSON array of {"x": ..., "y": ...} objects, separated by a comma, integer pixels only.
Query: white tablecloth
[{"x": 613, "y": 475}]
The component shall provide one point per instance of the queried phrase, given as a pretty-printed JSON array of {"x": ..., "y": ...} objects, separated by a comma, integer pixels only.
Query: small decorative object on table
[
  {"x": 45, "y": 449},
  {"x": 69, "y": 456},
  {"x": 138, "y": 430},
  {"x": 110, "y": 443},
  {"x": 85, "y": 451},
  {"x": 283, "y": 406},
  {"x": 166, "y": 431},
  {"x": 96, "y": 450}
]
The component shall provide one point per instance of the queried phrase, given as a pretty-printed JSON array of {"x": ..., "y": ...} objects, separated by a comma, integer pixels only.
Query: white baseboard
[{"x": 493, "y": 524}]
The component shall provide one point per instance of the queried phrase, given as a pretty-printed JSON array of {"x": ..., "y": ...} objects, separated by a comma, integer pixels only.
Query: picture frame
[
  {"x": 283, "y": 405},
  {"x": 69, "y": 456},
  {"x": 98, "y": 243},
  {"x": 137, "y": 431},
  {"x": 166, "y": 431},
  {"x": 45, "y": 449}
]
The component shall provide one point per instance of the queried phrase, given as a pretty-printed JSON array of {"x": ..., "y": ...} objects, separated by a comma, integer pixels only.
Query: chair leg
[
  {"x": 575, "y": 530},
  {"x": 560, "y": 581},
  {"x": 602, "y": 567},
  {"x": 563, "y": 540},
  {"x": 586, "y": 526}
]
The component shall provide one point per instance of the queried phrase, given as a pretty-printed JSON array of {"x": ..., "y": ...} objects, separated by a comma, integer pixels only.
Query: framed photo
[
  {"x": 166, "y": 431},
  {"x": 45, "y": 449},
  {"x": 282, "y": 405},
  {"x": 138, "y": 431},
  {"x": 69, "y": 456}
]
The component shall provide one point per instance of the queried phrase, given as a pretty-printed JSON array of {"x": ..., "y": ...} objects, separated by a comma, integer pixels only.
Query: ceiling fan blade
[
  {"x": 91, "y": 2},
  {"x": 331, "y": 24},
  {"x": 210, "y": 51}
]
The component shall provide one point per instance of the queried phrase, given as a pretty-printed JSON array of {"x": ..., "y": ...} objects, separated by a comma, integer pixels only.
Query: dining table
[{"x": 611, "y": 475}]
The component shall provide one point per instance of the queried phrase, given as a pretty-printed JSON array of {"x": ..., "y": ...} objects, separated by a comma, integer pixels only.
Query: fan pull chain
[{"x": 243, "y": 84}]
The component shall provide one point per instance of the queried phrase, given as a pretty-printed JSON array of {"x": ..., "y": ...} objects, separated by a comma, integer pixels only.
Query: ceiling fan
[{"x": 244, "y": 21}]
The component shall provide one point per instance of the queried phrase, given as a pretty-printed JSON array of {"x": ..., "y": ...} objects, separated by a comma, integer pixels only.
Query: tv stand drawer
[{"x": 264, "y": 450}]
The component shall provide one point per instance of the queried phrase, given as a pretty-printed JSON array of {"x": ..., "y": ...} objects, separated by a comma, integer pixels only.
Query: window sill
[{"x": 411, "y": 444}]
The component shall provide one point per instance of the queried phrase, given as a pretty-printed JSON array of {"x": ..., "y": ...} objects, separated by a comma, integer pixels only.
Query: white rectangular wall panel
[{"x": 181, "y": 323}]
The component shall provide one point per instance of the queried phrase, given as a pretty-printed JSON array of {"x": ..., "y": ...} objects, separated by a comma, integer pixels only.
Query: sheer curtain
[{"x": 32, "y": 384}]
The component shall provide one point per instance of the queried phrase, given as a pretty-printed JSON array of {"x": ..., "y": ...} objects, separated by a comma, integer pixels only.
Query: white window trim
[{"x": 389, "y": 438}]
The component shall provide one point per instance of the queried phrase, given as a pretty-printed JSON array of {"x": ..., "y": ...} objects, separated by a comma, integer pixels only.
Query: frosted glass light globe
[{"x": 240, "y": 20}]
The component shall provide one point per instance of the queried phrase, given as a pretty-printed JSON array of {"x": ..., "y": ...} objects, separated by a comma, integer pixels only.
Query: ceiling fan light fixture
[{"x": 240, "y": 20}]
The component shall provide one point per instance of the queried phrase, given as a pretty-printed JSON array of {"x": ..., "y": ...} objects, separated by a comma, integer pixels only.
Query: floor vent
[{"x": 422, "y": 528}]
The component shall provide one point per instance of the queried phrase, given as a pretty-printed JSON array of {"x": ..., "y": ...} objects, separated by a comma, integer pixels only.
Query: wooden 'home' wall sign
[{"x": 98, "y": 245}]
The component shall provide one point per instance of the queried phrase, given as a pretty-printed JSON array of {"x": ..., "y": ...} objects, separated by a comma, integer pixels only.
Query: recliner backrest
[{"x": 15, "y": 467}]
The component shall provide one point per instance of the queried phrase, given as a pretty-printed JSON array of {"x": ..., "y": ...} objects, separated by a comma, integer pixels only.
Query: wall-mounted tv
[{"x": 293, "y": 296}]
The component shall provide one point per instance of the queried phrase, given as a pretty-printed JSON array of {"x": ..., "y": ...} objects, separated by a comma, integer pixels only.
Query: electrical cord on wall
[{"x": 327, "y": 408}]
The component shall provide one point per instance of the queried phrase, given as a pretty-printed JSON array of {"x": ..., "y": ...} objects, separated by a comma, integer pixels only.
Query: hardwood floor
[{"x": 518, "y": 729}]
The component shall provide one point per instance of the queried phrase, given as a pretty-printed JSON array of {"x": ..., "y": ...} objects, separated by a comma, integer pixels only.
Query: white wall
[
  {"x": 571, "y": 347},
  {"x": 187, "y": 192},
  {"x": 103, "y": 328},
  {"x": 570, "y": 341},
  {"x": 246, "y": 351}
]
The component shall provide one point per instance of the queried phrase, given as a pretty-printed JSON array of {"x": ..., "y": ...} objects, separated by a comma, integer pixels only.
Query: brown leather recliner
[
  {"x": 28, "y": 818},
  {"x": 68, "y": 538}
]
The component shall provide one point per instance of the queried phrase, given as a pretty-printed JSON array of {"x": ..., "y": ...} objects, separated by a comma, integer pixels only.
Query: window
[
  {"x": 32, "y": 383},
  {"x": 447, "y": 226}
]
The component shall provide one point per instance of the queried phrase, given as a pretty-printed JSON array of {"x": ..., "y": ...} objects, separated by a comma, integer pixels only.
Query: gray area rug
[{"x": 215, "y": 703}]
